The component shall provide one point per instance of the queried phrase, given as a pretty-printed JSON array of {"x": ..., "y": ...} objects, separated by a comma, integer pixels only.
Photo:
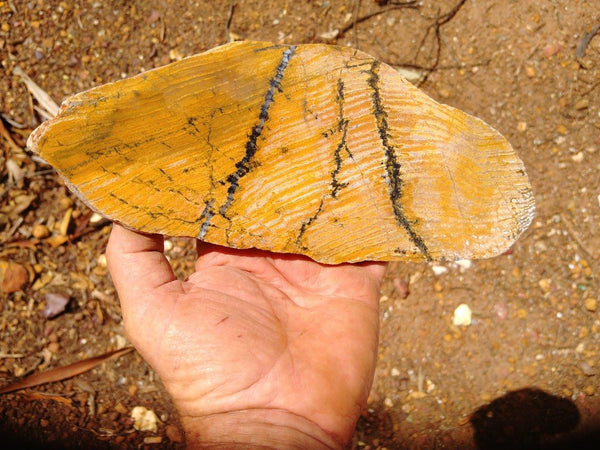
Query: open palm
[{"x": 252, "y": 331}]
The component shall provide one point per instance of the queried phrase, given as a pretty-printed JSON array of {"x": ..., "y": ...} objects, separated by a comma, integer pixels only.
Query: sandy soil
[{"x": 524, "y": 374}]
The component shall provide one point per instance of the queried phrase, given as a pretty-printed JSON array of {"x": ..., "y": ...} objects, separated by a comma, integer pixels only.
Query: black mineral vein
[
  {"x": 244, "y": 166},
  {"x": 392, "y": 166}
]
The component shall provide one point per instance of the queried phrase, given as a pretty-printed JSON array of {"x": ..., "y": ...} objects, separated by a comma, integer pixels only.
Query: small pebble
[
  {"x": 40, "y": 231},
  {"x": 464, "y": 263},
  {"x": 462, "y": 315},
  {"x": 154, "y": 16},
  {"x": 439, "y": 270},
  {"x": 55, "y": 304},
  {"x": 582, "y": 104},
  {"x": 587, "y": 369},
  {"x": 144, "y": 419},
  {"x": 53, "y": 347},
  {"x": 501, "y": 310},
  {"x": 530, "y": 71},
  {"x": 395, "y": 372},
  {"x": 552, "y": 49},
  {"x": 522, "y": 126},
  {"x": 14, "y": 276},
  {"x": 101, "y": 260},
  {"x": 95, "y": 218},
  {"x": 590, "y": 304},
  {"x": 544, "y": 284},
  {"x": 388, "y": 402}
]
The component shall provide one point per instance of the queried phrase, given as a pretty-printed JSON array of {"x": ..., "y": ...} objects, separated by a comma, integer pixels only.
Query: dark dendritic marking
[
  {"x": 392, "y": 166},
  {"x": 165, "y": 174},
  {"x": 342, "y": 128},
  {"x": 191, "y": 123},
  {"x": 308, "y": 223},
  {"x": 245, "y": 165},
  {"x": 152, "y": 212},
  {"x": 336, "y": 186}
]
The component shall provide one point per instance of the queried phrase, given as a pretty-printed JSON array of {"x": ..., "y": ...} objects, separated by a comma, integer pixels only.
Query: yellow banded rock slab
[{"x": 312, "y": 149}]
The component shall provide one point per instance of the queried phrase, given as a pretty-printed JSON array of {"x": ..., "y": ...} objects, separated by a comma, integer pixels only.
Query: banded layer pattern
[{"x": 311, "y": 149}]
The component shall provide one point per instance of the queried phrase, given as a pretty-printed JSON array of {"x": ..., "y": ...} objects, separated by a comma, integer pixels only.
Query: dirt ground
[{"x": 524, "y": 374}]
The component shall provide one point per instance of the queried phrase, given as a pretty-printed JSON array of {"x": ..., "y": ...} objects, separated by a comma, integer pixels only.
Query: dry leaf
[
  {"x": 15, "y": 173},
  {"x": 62, "y": 373},
  {"x": 45, "y": 396},
  {"x": 50, "y": 108}
]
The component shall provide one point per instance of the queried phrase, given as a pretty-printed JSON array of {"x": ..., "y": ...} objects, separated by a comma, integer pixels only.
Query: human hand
[{"x": 255, "y": 348}]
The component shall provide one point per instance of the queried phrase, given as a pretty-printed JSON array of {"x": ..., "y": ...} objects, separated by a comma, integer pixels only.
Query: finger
[{"x": 137, "y": 263}]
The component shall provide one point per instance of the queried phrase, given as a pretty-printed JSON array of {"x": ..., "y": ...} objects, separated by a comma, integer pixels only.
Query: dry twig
[
  {"x": 392, "y": 6},
  {"x": 585, "y": 41},
  {"x": 436, "y": 26},
  {"x": 229, "y": 20}
]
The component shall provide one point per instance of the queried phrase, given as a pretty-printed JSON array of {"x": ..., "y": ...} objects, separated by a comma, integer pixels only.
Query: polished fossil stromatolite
[{"x": 311, "y": 149}]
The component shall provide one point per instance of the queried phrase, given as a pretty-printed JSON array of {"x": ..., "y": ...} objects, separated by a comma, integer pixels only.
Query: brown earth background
[{"x": 524, "y": 374}]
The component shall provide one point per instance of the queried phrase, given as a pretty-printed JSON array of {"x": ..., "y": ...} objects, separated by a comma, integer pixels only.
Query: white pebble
[
  {"x": 144, "y": 419},
  {"x": 464, "y": 263},
  {"x": 578, "y": 157},
  {"x": 462, "y": 315},
  {"x": 439, "y": 270},
  {"x": 95, "y": 218},
  {"x": 101, "y": 260}
]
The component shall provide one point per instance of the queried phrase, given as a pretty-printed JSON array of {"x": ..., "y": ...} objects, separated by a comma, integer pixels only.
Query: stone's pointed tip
[{"x": 34, "y": 137}]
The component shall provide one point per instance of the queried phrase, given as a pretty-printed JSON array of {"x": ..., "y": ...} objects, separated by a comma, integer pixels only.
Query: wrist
[{"x": 256, "y": 428}]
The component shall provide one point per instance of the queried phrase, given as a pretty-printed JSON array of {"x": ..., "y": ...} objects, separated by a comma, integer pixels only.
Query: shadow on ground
[{"x": 530, "y": 419}]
